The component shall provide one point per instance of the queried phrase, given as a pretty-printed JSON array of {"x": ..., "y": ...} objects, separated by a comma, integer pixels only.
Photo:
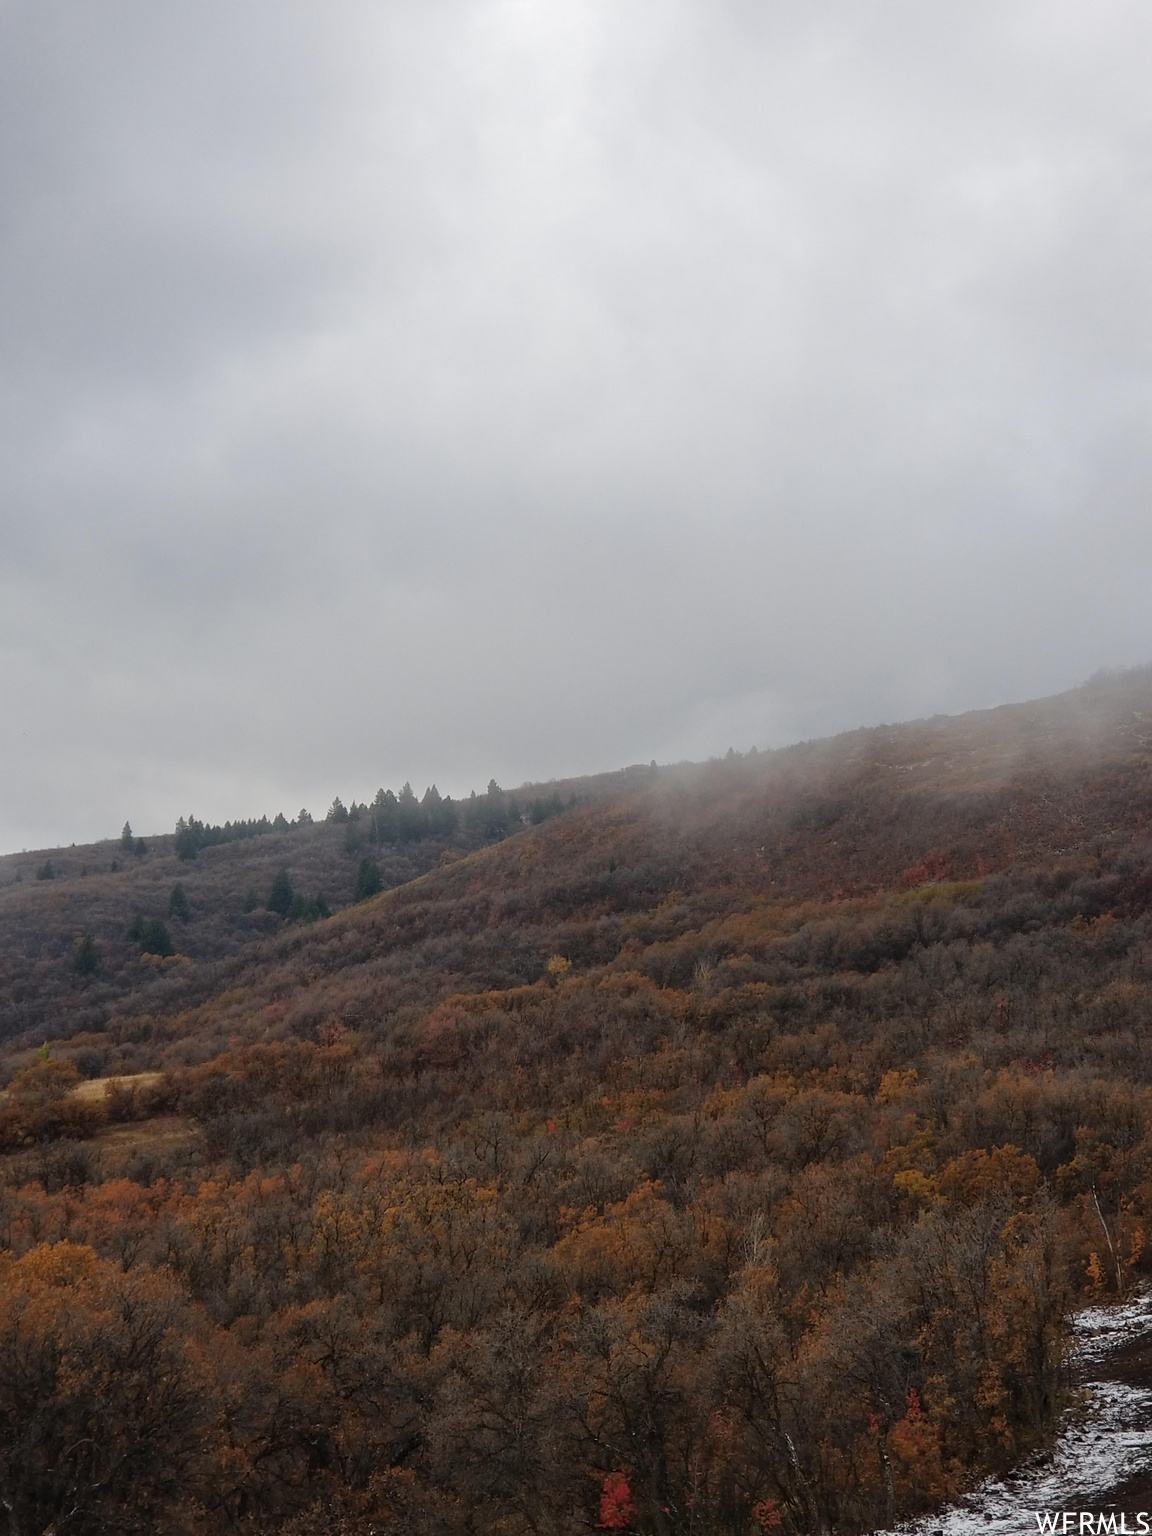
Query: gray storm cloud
[{"x": 439, "y": 391}]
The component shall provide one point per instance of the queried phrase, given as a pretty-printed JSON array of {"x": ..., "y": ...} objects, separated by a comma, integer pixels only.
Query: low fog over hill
[{"x": 733, "y": 1137}]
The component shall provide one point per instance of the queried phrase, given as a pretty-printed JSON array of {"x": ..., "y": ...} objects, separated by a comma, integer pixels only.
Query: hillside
[
  {"x": 213, "y": 902},
  {"x": 722, "y": 1153}
]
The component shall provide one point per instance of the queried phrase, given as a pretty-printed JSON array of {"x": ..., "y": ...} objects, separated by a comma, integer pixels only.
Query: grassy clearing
[{"x": 96, "y": 1088}]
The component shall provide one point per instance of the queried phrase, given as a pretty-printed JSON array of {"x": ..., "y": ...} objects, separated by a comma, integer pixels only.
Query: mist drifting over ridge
[{"x": 526, "y": 389}]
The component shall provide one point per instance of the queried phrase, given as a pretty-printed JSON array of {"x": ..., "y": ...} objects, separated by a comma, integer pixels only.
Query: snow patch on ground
[
  {"x": 1097, "y": 1331},
  {"x": 1103, "y": 1443}
]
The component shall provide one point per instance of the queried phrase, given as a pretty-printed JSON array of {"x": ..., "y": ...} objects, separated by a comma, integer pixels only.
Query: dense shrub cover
[{"x": 721, "y": 1154}]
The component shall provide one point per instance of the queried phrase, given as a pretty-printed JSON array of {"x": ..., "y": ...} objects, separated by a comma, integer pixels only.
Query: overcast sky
[{"x": 439, "y": 389}]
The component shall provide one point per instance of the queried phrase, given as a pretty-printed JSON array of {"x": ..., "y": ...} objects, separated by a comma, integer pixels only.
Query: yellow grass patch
[{"x": 96, "y": 1087}]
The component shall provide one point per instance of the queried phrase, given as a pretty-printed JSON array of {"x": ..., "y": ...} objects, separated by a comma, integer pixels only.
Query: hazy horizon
[
  {"x": 523, "y": 390},
  {"x": 360, "y": 794}
]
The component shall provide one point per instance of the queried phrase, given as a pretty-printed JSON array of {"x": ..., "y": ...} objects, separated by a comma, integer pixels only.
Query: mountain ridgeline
[
  {"x": 204, "y": 895},
  {"x": 712, "y": 1148},
  {"x": 390, "y": 819}
]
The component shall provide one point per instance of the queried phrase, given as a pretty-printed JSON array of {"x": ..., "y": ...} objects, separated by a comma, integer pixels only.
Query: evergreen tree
[
  {"x": 385, "y": 817},
  {"x": 473, "y": 812},
  {"x": 440, "y": 819},
  {"x": 369, "y": 880},
  {"x": 410, "y": 822},
  {"x": 192, "y": 835},
  {"x": 127, "y": 841},
  {"x": 151, "y": 933},
  {"x": 280, "y": 896},
  {"x": 178, "y": 904},
  {"x": 86, "y": 959},
  {"x": 541, "y": 809},
  {"x": 188, "y": 838},
  {"x": 308, "y": 909},
  {"x": 495, "y": 811}
]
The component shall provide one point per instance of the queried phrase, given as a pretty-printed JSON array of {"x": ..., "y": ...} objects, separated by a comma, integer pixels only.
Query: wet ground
[
  {"x": 1126, "y": 1363},
  {"x": 1101, "y": 1461}
]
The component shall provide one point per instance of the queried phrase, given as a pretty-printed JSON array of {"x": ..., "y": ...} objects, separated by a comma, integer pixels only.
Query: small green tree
[
  {"x": 280, "y": 896},
  {"x": 86, "y": 959},
  {"x": 385, "y": 817},
  {"x": 187, "y": 839},
  {"x": 308, "y": 909},
  {"x": 368, "y": 879},
  {"x": 440, "y": 818},
  {"x": 151, "y": 933},
  {"x": 127, "y": 841},
  {"x": 178, "y": 904},
  {"x": 409, "y": 817}
]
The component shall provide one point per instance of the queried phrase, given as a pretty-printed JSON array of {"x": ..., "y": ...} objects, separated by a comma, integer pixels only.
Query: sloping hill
[
  {"x": 146, "y": 925},
  {"x": 886, "y": 808},
  {"x": 723, "y": 1152}
]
